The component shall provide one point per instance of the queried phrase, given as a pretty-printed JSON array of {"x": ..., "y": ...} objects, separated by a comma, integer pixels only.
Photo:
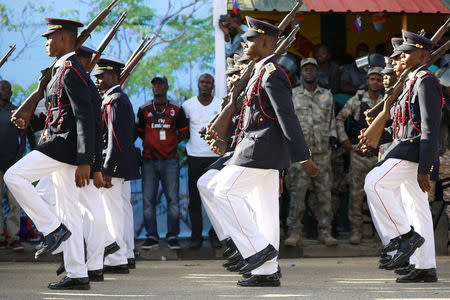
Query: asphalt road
[{"x": 310, "y": 278}]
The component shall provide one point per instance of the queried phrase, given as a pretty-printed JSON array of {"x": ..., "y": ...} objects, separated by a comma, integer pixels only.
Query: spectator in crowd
[
  {"x": 443, "y": 74},
  {"x": 162, "y": 124},
  {"x": 359, "y": 166},
  {"x": 200, "y": 110},
  {"x": 353, "y": 78},
  {"x": 10, "y": 152},
  {"x": 314, "y": 108},
  {"x": 329, "y": 74},
  {"x": 389, "y": 76},
  {"x": 233, "y": 29}
]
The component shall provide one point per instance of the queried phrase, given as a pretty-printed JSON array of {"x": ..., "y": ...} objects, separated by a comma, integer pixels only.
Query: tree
[{"x": 183, "y": 48}]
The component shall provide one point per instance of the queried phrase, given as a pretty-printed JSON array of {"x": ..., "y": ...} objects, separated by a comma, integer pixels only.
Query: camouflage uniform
[
  {"x": 316, "y": 115},
  {"x": 359, "y": 166}
]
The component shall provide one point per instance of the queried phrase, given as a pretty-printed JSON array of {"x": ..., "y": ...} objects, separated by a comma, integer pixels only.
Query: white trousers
[
  {"x": 94, "y": 225},
  {"x": 129, "y": 220},
  {"x": 113, "y": 202},
  {"x": 397, "y": 202},
  {"x": 248, "y": 202},
  {"x": 19, "y": 179},
  {"x": 93, "y": 214},
  {"x": 206, "y": 185}
]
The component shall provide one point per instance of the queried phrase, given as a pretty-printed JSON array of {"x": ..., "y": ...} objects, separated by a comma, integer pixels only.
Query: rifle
[
  {"x": 106, "y": 41},
  {"x": 27, "y": 108},
  {"x": 139, "y": 48},
  {"x": 134, "y": 60},
  {"x": 381, "y": 110},
  {"x": 374, "y": 111},
  {"x": 221, "y": 123},
  {"x": 7, "y": 55}
]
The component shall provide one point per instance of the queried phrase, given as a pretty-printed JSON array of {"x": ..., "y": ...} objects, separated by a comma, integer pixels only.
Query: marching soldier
[
  {"x": 408, "y": 163},
  {"x": 315, "y": 110},
  {"x": 120, "y": 162},
  {"x": 267, "y": 126},
  {"x": 68, "y": 153},
  {"x": 359, "y": 165},
  {"x": 389, "y": 76}
]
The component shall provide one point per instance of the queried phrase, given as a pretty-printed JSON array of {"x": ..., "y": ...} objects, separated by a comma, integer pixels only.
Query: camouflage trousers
[
  {"x": 359, "y": 167},
  {"x": 444, "y": 172},
  {"x": 298, "y": 183}
]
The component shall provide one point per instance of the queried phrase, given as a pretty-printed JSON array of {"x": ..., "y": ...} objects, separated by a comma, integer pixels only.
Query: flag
[
  {"x": 299, "y": 18},
  {"x": 357, "y": 24},
  {"x": 235, "y": 7},
  {"x": 378, "y": 20}
]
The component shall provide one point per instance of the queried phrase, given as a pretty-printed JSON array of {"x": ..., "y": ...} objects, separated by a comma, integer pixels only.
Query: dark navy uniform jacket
[
  {"x": 120, "y": 155},
  {"x": 38, "y": 123},
  {"x": 70, "y": 118},
  {"x": 269, "y": 134},
  {"x": 97, "y": 160},
  {"x": 416, "y": 122}
]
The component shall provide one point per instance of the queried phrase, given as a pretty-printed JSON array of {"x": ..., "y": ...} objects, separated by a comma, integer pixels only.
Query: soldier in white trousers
[
  {"x": 67, "y": 154},
  {"x": 268, "y": 139},
  {"x": 397, "y": 187}
]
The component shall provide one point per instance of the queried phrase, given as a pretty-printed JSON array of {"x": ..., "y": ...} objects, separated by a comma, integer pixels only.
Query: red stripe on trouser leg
[
  {"x": 237, "y": 220},
  {"x": 382, "y": 203}
]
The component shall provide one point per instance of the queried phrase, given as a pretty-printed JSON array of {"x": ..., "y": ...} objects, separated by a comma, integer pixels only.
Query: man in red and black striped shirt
[{"x": 161, "y": 125}]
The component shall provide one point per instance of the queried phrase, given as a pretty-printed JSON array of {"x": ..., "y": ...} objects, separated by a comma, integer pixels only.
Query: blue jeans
[{"x": 168, "y": 171}]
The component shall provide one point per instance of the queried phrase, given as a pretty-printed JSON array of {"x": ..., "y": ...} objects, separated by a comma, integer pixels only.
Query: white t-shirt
[{"x": 199, "y": 116}]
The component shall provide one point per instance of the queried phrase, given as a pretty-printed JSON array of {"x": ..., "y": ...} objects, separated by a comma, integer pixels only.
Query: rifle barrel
[
  {"x": 441, "y": 31},
  {"x": 82, "y": 37},
  {"x": 8, "y": 54},
  {"x": 105, "y": 41},
  {"x": 287, "y": 19}
]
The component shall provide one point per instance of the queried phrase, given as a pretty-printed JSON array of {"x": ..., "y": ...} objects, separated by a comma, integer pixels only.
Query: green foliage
[
  {"x": 20, "y": 93},
  {"x": 183, "y": 49},
  {"x": 4, "y": 19},
  {"x": 185, "y": 44}
]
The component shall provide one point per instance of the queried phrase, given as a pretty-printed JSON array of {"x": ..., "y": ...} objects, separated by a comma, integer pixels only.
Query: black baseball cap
[{"x": 160, "y": 77}]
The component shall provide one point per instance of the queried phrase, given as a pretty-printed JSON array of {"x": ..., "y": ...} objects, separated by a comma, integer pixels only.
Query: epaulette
[
  {"x": 421, "y": 74},
  {"x": 270, "y": 67},
  {"x": 67, "y": 63}
]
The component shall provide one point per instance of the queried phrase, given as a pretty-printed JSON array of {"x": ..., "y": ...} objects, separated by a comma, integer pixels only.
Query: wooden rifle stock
[
  {"x": 106, "y": 41},
  {"x": 7, "y": 55},
  {"x": 27, "y": 108},
  {"x": 135, "y": 59}
]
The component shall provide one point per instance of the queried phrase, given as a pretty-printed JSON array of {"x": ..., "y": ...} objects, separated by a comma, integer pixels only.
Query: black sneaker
[
  {"x": 150, "y": 243},
  {"x": 173, "y": 243}
]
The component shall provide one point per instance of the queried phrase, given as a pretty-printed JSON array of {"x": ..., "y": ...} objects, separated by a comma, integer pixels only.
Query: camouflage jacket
[
  {"x": 352, "y": 108},
  {"x": 315, "y": 111}
]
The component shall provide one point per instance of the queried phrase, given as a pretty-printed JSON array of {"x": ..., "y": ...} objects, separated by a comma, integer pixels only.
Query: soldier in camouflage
[
  {"x": 359, "y": 165},
  {"x": 444, "y": 170},
  {"x": 315, "y": 110}
]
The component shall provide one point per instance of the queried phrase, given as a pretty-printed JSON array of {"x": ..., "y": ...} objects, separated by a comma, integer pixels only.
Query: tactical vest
[{"x": 355, "y": 126}]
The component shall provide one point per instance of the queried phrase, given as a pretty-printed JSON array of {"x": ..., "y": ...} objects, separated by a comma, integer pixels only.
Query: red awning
[{"x": 407, "y": 6}]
